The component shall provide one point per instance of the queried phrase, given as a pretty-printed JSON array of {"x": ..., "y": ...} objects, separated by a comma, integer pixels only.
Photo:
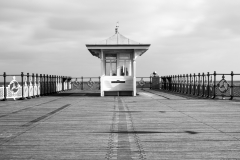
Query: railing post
[
  {"x": 54, "y": 84},
  {"x": 177, "y": 82},
  {"x": 187, "y": 86},
  {"x": 61, "y": 82},
  {"x": 44, "y": 82},
  {"x": 41, "y": 85},
  {"x": 175, "y": 79},
  {"x": 190, "y": 84},
  {"x": 37, "y": 84},
  {"x": 22, "y": 86},
  {"x": 169, "y": 83},
  {"x": 182, "y": 88},
  {"x": 63, "y": 86},
  {"x": 4, "y": 86},
  {"x": 28, "y": 85},
  {"x": 66, "y": 83},
  {"x": 172, "y": 83},
  {"x": 49, "y": 84},
  {"x": 165, "y": 83},
  {"x": 198, "y": 88},
  {"x": 58, "y": 80},
  {"x": 232, "y": 87},
  {"x": 184, "y": 83},
  {"x": 203, "y": 85},
  {"x": 208, "y": 90},
  {"x": 180, "y": 84},
  {"x": 33, "y": 84},
  {"x": 57, "y": 84},
  {"x": 63, "y": 79},
  {"x": 194, "y": 83},
  {"x": 214, "y": 85}
]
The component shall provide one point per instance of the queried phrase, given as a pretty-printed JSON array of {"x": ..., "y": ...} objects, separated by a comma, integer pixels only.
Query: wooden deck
[{"x": 153, "y": 125}]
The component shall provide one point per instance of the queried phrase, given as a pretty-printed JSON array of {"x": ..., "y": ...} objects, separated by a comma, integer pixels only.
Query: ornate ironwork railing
[
  {"x": 23, "y": 86},
  {"x": 143, "y": 82},
  {"x": 203, "y": 85},
  {"x": 86, "y": 83}
]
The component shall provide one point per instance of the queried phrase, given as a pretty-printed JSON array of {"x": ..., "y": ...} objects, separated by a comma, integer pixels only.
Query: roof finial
[{"x": 116, "y": 29}]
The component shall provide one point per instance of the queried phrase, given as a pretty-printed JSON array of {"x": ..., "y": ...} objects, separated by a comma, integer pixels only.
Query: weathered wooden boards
[{"x": 149, "y": 126}]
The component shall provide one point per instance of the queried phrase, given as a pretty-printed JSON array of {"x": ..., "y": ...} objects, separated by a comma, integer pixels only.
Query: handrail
[{"x": 202, "y": 85}]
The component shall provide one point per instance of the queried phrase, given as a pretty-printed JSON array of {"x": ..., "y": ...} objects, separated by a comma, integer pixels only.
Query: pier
[{"x": 152, "y": 125}]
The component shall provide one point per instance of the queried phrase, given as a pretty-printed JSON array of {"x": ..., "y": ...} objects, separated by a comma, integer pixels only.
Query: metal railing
[
  {"x": 203, "y": 85},
  {"x": 32, "y": 86},
  {"x": 143, "y": 82},
  {"x": 86, "y": 83}
]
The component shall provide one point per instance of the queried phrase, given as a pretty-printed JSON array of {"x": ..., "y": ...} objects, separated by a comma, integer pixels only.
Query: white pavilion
[{"x": 118, "y": 56}]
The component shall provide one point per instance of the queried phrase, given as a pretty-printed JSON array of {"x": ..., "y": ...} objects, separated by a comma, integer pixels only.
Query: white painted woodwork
[{"x": 107, "y": 84}]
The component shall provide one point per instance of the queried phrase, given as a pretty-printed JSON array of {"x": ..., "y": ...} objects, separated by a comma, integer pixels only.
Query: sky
[{"x": 186, "y": 36}]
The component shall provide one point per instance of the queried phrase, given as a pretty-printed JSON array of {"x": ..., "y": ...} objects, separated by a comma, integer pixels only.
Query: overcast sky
[{"x": 186, "y": 36}]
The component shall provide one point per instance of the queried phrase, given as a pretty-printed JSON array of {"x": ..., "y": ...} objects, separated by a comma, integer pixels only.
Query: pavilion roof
[{"x": 118, "y": 39}]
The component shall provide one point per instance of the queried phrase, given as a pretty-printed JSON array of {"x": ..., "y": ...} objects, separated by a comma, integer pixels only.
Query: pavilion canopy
[{"x": 117, "y": 42}]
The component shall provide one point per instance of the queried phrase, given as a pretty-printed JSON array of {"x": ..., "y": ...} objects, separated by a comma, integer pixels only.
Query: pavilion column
[
  {"x": 103, "y": 72},
  {"x": 134, "y": 73}
]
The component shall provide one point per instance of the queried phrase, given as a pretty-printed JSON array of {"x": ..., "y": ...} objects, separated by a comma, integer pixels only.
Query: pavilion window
[
  {"x": 118, "y": 65},
  {"x": 124, "y": 65},
  {"x": 111, "y": 64}
]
